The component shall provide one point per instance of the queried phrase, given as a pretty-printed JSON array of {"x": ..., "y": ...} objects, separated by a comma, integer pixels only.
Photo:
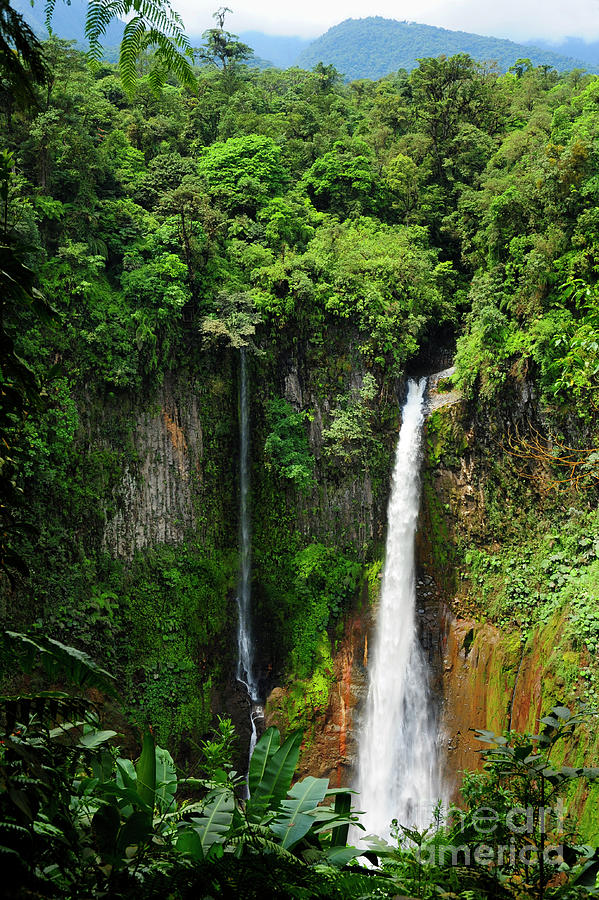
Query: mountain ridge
[
  {"x": 370, "y": 47},
  {"x": 373, "y": 47}
]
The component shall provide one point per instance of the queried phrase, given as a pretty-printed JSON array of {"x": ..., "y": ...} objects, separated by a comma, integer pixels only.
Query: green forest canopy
[{"x": 268, "y": 210}]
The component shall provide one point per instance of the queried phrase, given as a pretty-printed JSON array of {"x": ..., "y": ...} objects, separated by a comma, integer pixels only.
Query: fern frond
[
  {"x": 13, "y": 828},
  {"x": 21, "y": 53},
  {"x": 13, "y": 854},
  {"x": 99, "y": 16},
  {"x": 154, "y": 24},
  {"x": 49, "y": 12},
  {"x": 131, "y": 46}
]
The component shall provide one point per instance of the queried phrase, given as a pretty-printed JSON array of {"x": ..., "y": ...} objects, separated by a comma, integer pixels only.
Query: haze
[{"x": 519, "y": 21}]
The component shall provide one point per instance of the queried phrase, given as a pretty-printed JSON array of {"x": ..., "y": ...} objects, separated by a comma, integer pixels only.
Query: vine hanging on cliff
[{"x": 579, "y": 466}]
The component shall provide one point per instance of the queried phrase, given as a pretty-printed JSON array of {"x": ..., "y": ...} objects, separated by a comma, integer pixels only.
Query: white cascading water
[
  {"x": 398, "y": 755},
  {"x": 245, "y": 644}
]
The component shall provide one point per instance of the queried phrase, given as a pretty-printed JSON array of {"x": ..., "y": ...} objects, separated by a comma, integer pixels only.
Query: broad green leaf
[
  {"x": 569, "y": 773},
  {"x": 101, "y": 765},
  {"x": 146, "y": 771},
  {"x": 293, "y": 823},
  {"x": 341, "y": 856},
  {"x": 166, "y": 780},
  {"x": 137, "y": 829},
  {"x": 293, "y": 829},
  {"x": 266, "y": 747},
  {"x": 94, "y": 739},
  {"x": 127, "y": 798},
  {"x": 190, "y": 844},
  {"x": 62, "y": 729},
  {"x": 305, "y": 794},
  {"x": 342, "y": 808},
  {"x": 377, "y": 845},
  {"x": 322, "y": 824},
  {"x": 216, "y": 818},
  {"x": 278, "y": 774},
  {"x": 562, "y": 712},
  {"x": 126, "y": 776}
]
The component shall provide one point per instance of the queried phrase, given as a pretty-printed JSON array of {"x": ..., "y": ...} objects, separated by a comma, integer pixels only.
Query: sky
[{"x": 518, "y": 20}]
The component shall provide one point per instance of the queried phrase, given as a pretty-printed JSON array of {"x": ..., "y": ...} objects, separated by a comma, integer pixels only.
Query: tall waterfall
[
  {"x": 246, "y": 673},
  {"x": 398, "y": 758}
]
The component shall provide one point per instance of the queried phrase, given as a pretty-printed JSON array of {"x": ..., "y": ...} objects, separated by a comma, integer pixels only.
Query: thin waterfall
[
  {"x": 398, "y": 755},
  {"x": 246, "y": 666}
]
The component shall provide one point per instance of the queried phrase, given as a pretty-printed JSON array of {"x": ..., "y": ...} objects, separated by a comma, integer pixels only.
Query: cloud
[
  {"x": 525, "y": 20},
  {"x": 519, "y": 20}
]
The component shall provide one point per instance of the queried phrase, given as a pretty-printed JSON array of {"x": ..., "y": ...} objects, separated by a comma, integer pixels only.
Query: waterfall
[
  {"x": 398, "y": 757},
  {"x": 246, "y": 673}
]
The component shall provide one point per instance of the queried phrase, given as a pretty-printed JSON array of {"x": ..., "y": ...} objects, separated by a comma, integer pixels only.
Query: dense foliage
[
  {"x": 335, "y": 233},
  {"x": 373, "y": 47},
  {"x": 77, "y": 819}
]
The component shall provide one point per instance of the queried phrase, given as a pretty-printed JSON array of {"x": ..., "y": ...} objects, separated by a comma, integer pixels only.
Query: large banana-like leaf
[
  {"x": 341, "y": 856},
  {"x": 166, "y": 781},
  {"x": 91, "y": 738},
  {"x": 146, "y": 771},
  {"x": 266, "y": 747},
  {"x": 305, "y": 795},
  {"x": 59, "y": 661},
  {"x": 215, "y": 822},
  {"x": 293, "y": 822},
  {"x": 291, "y": 830},
  {"x": 126, "y": 777},
  {"x": 340, "y": 832},
  {"x": 190, "y": 844},
  {"x": 278, "y": 769}
]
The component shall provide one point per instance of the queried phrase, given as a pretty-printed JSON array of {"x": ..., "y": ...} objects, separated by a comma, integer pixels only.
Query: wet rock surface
[
  {"x": 154, "y": 502},
  {"x": 330, "y": 747}
]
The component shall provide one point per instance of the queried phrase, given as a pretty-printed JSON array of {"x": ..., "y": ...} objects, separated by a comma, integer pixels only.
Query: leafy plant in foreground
[
  {"x": 512, "y": 839},
  {"x": 77, "y": 819}
]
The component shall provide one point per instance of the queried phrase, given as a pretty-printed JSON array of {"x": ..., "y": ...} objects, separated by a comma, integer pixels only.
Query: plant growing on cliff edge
[
  {"x": 349, "y": 438},
  {"x": 286, "y": 447},
  {"x": 578, "y": 467},
  {"x": 511, "y": 838},
  {"x": 521, "y": 777},
  {"x": 234, "y": 322}
]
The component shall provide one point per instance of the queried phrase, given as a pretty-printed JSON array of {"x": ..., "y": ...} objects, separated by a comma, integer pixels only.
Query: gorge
[{"x": 247, "y": 282}]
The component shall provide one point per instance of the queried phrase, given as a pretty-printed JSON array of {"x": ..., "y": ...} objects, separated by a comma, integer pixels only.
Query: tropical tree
[{"x": 221, "y": 48}]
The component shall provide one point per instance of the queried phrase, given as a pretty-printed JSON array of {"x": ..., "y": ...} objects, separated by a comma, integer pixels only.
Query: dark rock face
[{"x": 155, "y": 500}]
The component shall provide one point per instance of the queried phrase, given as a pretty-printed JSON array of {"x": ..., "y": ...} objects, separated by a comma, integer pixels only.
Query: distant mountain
[
  {"x": 358, "y": 48},
  {"x": 373, "y": 47},
  {"x": 282, "y": 51},
  {"x": 67, "y": 22},
  {"x": 571, "y": 46}
]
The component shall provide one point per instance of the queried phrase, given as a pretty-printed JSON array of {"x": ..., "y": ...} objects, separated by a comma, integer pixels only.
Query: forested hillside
[
  {"x": 374, "y": 47},
  {"x": 342, "y": 236}
]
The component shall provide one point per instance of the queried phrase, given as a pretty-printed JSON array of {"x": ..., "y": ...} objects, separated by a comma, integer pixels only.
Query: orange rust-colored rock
[
  {"x": 330, "y": 745},
  {"x": 507, "y": 681}
]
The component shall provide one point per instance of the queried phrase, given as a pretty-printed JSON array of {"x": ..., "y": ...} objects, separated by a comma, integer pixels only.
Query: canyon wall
[{"x": 488, "y": 672}]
